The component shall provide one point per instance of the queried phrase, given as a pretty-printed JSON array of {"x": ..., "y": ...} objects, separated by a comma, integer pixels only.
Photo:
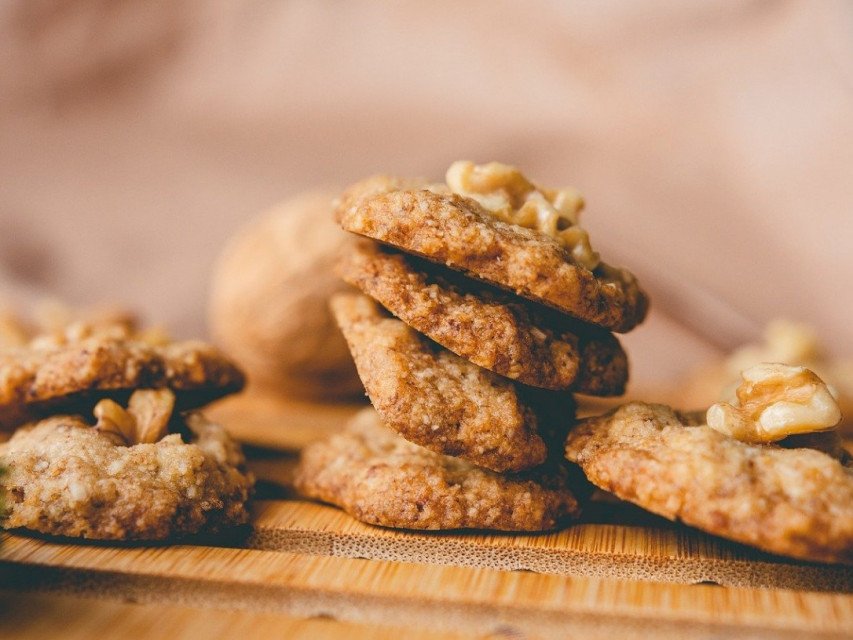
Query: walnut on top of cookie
[
  {"x": 139, "y": 473},
  {"x": 766, "y": 470},
  {"x": 533, "y": 305},
  {"x": 104, "y": 447},
  {"x": 494, "y": 224},
  {"x": 782, "y": 340}
]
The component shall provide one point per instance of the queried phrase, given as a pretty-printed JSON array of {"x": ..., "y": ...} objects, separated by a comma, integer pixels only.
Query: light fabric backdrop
[{"x": 713, "y": 141}]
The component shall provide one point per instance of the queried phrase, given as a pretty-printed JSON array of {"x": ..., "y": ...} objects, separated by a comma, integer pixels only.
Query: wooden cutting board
[{"x": 306, "y": 568}]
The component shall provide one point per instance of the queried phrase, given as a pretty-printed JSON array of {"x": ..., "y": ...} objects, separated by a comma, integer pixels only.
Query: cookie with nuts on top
[
  {"x": 445, "y": 403},
  {"x": 483, "y": 324},
  {"x": 124, "y": 476},
  {"x": 68, "y": 370},
  {"x": 492, "y": 223},
  {"x": 379, "y": 478},
  {"x": 771, "y": 487}
]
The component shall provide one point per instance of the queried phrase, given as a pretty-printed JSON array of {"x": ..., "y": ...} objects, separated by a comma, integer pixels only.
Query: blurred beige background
[{"x": 713, "y": 141}]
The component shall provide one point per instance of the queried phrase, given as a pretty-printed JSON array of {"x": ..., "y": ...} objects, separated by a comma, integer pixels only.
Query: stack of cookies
[
  {"x": 107, "y": 442},
  {"x": 483, "y": 310}
]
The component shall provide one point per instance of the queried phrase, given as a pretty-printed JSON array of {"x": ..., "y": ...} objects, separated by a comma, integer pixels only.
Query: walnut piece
[
  {"x": 775, "y": 401},
  {"x": 145, "y": 420},
  {"x": 509, "y": 196}
]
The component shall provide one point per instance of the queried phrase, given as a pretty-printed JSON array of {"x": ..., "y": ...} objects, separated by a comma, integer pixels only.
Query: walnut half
[
  {"x": 775, "y": 401},
  {"x": 145, "y": 420},
  {"x": 510, "y": 197}
]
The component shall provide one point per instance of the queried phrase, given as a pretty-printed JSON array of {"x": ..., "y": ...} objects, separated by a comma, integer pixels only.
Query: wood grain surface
[
  {"x": 470, "y": 600},
  {"x": 308, "y": 570},
  {"x": 662, "y": 553},
  {"x": 34, "y": 616}
]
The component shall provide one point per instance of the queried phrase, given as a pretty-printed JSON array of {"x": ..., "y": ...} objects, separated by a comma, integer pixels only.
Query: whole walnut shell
[{"x": 269, "y": 302}]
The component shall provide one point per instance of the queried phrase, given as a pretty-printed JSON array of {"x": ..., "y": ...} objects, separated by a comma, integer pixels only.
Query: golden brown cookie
[
  {"x": 482, "y": 324},
  {"x": 460, "y": 233},
  {"x": 64, "y": 477},
  {"x": 438, "y": 400},
  {"x": 791, "y": 501},
  {"x": 380, "y": 478},
  {"x": 51, "y": 376}
]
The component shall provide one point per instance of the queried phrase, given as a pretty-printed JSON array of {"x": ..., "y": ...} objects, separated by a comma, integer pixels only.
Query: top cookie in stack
[
  {"x": 493, "y": 224},
  {"x": 507, "y": 236},
  {"x": 502, "y": 310}
]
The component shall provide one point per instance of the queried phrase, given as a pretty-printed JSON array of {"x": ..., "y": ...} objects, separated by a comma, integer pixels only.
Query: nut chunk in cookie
[
  {"x": 791, "y": 501},
  {"x": 485, "y": 325},
  {"x": 124, "y": 478},
  {"x": 438, "y": 400},
  {"x": 380, "y": 478},
  {"x": 492, "y": 223}
]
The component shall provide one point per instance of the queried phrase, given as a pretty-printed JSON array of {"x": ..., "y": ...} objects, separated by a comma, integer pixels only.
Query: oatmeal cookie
[
  {"x": 380, "y": 478},
  {"x": 460, "y": 233},
  {"x": 791, "y": 501},
  {"x": 438, "y": 400},
  {"x": 63, "y": 377},
  {"x": 66, "y": 478},
  {"x": 484, "y": 325}
]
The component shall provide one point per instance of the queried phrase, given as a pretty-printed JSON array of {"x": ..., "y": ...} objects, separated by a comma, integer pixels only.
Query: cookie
[
  {"x": 482, "y": 324},
  {"x": 790, "y": 501},
  {"x": 460, "y": 233},
  {"x": 380, "y": 478},
  {"x": 69, "y": 376},
  {"x": 64, "y": 477},
  {"x": 440, "y": 401}
]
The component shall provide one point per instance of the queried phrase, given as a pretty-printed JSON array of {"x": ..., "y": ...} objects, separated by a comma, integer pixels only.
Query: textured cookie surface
[
  {"x": 484, "y": 325},
  {"x": 458, "y": 232},
  {"x": 796, "y": 502},
  {"x": 380, "y": 478},
  {"x": 65, "y": 478},
  {"x": 438, "y": 400},
  {"x": 38, "y": 380}
]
